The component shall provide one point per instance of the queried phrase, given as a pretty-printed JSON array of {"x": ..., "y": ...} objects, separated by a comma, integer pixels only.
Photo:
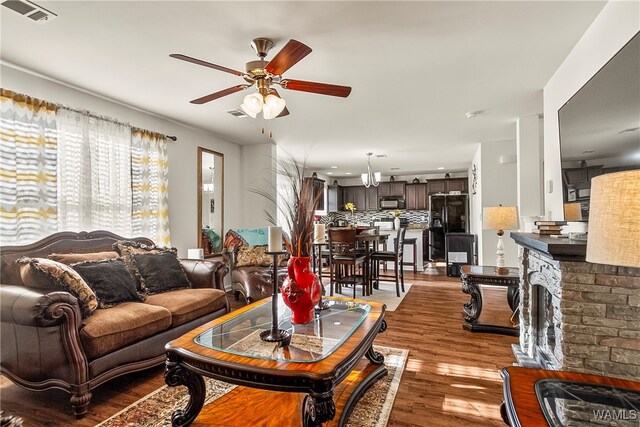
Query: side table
[
  {"x": 539, "y": 397},
  {"x": 472, "y": 277}
]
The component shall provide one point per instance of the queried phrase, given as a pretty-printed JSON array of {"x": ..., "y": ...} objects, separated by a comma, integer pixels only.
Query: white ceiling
[{"x": 416, "y": 68}]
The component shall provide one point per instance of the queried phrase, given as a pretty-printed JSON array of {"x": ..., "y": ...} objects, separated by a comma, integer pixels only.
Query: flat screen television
[{"x": 600, "y": 126}]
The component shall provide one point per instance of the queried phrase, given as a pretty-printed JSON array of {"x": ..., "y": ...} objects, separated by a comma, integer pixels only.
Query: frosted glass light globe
[
  {"x": 273, "y": 106},
  {"x": 252, "y": 104}
]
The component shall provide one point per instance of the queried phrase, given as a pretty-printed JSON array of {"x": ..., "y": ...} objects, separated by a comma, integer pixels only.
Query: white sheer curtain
[{"x": 94, "y": 173}]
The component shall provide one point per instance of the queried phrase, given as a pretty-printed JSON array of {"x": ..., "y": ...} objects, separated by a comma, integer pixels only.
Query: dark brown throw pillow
[
  {"x": 160, "y": 272},
  {"x": 128, "y": 248},
  {"x": 50, "y": 275},
  {"x": 73, "y": 258},
  {"x": 110, "y": 280}
]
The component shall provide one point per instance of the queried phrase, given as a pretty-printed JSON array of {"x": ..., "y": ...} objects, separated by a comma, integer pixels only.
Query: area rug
[
  {"x": 373, "y": 409},
  {"x": 386, "y": 294}
]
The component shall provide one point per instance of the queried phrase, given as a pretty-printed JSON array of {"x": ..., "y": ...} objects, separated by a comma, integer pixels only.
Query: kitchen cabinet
[
  {"x": 318, "y": 191},
  {"x": 416, "y": 198},
  {"x": 371, "y": 198},
  {"x": 435, "y": 186},
  {"x": 392, "y": 188},
  {"x": 365, "y": 199},
  {"x": 456, "y": 184},
  {"x": 335, "y": 201}
]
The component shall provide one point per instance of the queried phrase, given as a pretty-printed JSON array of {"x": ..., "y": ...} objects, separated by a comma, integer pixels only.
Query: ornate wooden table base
[
  {"x": 472, "y": 277},
  {"x": 319, "y": 391}
]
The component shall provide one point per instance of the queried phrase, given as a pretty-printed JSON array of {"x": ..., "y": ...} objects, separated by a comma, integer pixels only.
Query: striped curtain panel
[
  {"x": 94, "y": 173},
  {"x": 149, "y": 175},
  {"x": 28, "y": 187}
]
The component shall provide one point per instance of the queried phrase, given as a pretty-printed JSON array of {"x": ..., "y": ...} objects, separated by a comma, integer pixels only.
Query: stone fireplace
[{"x": 576, "y": 315}]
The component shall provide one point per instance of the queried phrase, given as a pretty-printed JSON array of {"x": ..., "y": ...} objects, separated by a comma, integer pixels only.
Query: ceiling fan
[{"x": 264, "y": 75}]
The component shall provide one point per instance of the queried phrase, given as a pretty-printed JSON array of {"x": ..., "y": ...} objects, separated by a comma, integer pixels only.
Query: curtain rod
[{"x": 112, "y": 120}]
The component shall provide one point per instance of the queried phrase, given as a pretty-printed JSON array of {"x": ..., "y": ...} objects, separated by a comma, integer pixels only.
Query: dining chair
[
  {"x": 396, "y": 256},
  {"x": 344, "y": 260}
]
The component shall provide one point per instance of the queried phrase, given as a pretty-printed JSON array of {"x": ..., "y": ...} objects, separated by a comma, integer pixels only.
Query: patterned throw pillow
[
  {"x": 160, "y": 272},
  {"x": 256, "y": 256},
  {"x": 110, "y": 280},
  {"x": 47, "y": 274}
]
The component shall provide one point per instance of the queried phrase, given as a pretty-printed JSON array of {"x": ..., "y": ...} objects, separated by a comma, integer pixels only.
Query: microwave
[{"x": 392, "y": 203}]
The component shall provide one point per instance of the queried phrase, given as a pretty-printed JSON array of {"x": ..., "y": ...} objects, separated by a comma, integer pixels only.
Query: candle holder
[{"x": 280, "y": 336}]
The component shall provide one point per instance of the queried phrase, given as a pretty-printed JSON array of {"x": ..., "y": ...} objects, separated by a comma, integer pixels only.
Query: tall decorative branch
[{"x": 296, "y": 202}]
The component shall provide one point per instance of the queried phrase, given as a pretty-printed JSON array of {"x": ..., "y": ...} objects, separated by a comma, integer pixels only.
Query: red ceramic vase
[{"x": 301, "y": 290}]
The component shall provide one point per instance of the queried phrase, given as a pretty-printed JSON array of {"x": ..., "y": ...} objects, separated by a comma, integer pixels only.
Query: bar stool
[{"x": 413, "y": 241}]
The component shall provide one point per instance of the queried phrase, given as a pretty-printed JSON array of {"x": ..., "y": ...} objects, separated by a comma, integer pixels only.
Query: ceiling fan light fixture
[
  {"x": 252, "y": 104},
  {"x": 273, "y": 106}
]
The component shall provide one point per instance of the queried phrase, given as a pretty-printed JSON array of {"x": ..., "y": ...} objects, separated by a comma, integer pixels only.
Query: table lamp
[
  {"x": 500, "y": 218},
  {"x": 572, "y": 212},
  {"x": 614, "y": 220}
]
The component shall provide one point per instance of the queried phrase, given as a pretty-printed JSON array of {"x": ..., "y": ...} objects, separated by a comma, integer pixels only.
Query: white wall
[
  {"x": 618, "y": 22},
  {"x": 182, "y": 154},
  {"x": 498, "y": 186},
  {"x": 475, "y": 201},
  {"x": 258, "y": 173},
  {"x": 529, "y": 166},
  {"x": 422, "y": 177}
]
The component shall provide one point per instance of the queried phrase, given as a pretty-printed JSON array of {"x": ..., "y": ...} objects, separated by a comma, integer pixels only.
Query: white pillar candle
[
  {"x": 318, "y": 233},
  {"x": 275, "y": 239}
]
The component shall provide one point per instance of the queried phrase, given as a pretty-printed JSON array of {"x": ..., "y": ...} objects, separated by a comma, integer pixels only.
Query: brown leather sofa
[{"x": 47, "y": 344}]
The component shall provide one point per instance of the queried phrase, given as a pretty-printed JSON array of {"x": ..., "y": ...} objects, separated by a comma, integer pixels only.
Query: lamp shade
[
  {"x": 572, "y": 212},
  {"x": 500, "y": 218},
  {"x": 614, "y": 219}
]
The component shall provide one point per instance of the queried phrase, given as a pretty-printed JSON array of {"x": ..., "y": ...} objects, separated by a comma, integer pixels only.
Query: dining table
[{"x": 370, "y": 240}]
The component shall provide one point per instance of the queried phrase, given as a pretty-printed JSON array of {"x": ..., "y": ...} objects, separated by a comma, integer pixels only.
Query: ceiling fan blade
[
  {"x": 288, "y": 56},
  {"x": 205, "y": 64},
  {"x": 219, "y": 94},
  {"x": 321, "y": 88}
]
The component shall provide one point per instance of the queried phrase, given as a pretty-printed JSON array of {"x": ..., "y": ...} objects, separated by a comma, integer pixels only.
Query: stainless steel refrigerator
[{"x": 449, "y": 214}]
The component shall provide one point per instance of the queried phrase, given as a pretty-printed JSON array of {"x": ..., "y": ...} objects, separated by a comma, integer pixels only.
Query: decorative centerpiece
[
  {"x": 396, "y": 219},
  {"x": 351, "y": 207},
  {"x": 297, "y": 202}
]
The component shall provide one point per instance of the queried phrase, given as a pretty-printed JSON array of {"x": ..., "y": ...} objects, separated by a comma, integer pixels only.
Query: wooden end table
[
  {"x": 472, "y": 277},
  {"x": 540, "y": 397},
  {"x": 293, "y": 385}
]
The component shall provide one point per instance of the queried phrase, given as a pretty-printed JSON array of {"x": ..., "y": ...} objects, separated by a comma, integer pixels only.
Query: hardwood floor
[{"x": 451, "y": 377}]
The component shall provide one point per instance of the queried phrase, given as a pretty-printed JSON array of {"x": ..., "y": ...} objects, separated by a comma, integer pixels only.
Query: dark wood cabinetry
[
  {"x": 416, "y": 198},
  {"x": 365, "y": 199},
  {"x": 435, "y": 186},
  {"x": 371, "y": 198},
  {"x": 318, "y": 191},
  {"x": 335, "y": 201},
  {"x": 392, "y": 188},
  {"x": 456, "y": 184}
]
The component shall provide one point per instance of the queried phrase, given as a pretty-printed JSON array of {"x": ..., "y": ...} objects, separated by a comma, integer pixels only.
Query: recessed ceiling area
[{"x": 416, "y": 69}]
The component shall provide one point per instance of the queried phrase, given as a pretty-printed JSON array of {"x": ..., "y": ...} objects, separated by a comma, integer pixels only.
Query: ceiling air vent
[
  {"x": 238, "y": 113},
  {"x": 30, "y": 10}
]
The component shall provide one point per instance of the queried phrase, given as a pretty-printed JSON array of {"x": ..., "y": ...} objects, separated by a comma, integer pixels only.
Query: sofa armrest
[
  {"x": 26, "y": 306},
  {"x": 206, "y": 273}
]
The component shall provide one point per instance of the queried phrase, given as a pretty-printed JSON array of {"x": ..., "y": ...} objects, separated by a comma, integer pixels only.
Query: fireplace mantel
[{"x": 556, "y": 249}]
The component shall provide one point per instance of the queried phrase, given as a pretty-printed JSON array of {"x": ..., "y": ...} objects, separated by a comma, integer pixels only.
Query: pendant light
[{"x": 370, "y": 178}]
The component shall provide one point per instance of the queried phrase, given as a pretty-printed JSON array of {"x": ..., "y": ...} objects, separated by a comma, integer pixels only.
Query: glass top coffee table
[{"x": 320, "y": 356}]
